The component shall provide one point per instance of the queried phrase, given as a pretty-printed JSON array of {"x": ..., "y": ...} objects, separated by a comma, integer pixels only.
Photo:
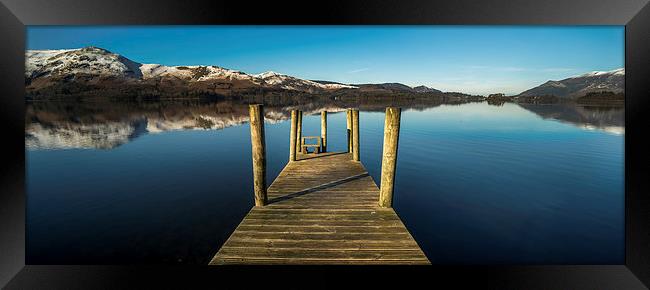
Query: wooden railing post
[
  {"x": 389, "y": 159},
  {"x": 299, "y": 132},
  {"x": 348, "y": 115},
  {"x": 259, "y": 153},
  {"x": 355, "y": 135},
  {"x": 292, "y": 135},
  {"x": 323, "y": 130}
]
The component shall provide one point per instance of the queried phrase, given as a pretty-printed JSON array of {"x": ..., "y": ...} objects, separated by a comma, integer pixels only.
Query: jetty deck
[{"x": 322, "y": 209}]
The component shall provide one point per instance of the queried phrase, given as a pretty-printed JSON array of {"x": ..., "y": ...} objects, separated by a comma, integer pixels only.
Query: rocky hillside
[
  {"x": 94, "y": 71},
  {"x": 579, "y": 86}
]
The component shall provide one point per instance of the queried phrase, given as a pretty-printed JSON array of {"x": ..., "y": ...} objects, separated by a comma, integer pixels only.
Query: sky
[{"x": 468, "y": 59}]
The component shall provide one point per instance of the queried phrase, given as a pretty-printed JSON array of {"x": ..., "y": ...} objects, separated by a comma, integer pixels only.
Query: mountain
[
  {"x": 281, "y": 81},
  {"x": 91, "y": 68},
  {"x": 425, "y": 89},
  {"x": 579, "y": 86},
  {"x": 394, "y": 88},
  {"x": 96, "y": 71},
  {"x": 88, "y": 60},
  {"x": 388, "y": 87}
]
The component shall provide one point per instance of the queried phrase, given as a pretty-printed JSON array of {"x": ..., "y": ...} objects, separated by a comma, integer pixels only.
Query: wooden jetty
[{"x": 323, "y": 208}]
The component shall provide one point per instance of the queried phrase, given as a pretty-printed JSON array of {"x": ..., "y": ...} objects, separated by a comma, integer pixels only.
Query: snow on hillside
[
  {"x": 93, "y": 61},
  {"x": 580, "y": 85},
  {"x": 616, "y": 72},
  {"x": 88, "y": 60},
  {"x": 101, "y": 62},
  {"x": 37, "y": 59},
  {"x": 193, "y": 73},
  {"x": 293, "y": 83}
]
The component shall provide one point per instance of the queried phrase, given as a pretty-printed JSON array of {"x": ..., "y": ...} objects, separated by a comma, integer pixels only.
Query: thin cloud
[{"x": 358, "y": 70}]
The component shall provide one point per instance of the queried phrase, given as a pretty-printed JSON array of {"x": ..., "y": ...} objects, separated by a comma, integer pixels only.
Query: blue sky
[{"x": 470, "y": 59}]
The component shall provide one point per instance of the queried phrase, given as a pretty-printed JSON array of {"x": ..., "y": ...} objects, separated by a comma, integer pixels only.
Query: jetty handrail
[{"x": 317, "y": 147}]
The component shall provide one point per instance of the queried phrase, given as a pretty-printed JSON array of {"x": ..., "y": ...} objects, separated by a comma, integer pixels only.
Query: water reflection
[
  {"x": 610, "y": 119},
  {"x": 525, "y": 180},
  {"x": 106, "y": 125}
]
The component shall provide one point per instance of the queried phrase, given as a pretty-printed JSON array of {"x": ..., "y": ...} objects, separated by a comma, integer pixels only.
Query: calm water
[{"x": 475, "y": 184}]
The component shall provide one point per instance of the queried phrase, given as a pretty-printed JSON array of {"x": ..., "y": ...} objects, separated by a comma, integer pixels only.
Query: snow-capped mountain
[
  {"x": 194, "y": 73},
  {"x": 87, "y": 60},
  {"x": 273, "y": 79},
  {"x": 425, "y": 89},
  {"x": 92, "y": 69},
  {"x": 578, "y": 86},
  {"x": 100, "y": 67}
]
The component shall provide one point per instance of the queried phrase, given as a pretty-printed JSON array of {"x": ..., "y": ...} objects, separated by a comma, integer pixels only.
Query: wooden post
[
  {"x": 389, "y": 159},
  {"x": 323, "y": 130},
  {"x": 348, "y": 116},
  {"x": 292, "y": 135},
  {"x": 299, "y": 132},
  {"x": 355, "y": 135},
  {"x": 259, "y": 153}
]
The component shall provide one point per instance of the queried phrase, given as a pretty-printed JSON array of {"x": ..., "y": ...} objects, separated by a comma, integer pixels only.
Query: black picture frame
[{"x": 16, "y": 14}]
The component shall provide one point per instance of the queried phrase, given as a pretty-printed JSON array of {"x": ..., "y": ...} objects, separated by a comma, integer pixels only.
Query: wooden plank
[
  {"x": 321, "y": 210},
  {"x": 397, "y": 254},
  {"x": 285, "y": 261},
  {"x": 315, "y": 229},
  {"x": 323, "y": 236},
  {"x": 282, "y": 222},
  {"x": 324, "y": 245}
]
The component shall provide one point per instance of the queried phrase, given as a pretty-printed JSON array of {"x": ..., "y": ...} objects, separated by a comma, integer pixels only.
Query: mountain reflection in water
[
  {"x": 606, "y": 118},
  {"x": 106, "y": 125}
]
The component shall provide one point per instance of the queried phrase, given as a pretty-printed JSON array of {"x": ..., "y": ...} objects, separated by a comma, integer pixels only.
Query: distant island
[{"x": 92, "y": 72}]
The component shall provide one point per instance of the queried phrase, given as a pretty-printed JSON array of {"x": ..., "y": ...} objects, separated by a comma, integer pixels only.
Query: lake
[{"x": 168, "y": 182}]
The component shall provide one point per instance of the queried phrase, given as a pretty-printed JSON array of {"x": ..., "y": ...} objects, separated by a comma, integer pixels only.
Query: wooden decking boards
[{"x": 322, "y": 209}]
